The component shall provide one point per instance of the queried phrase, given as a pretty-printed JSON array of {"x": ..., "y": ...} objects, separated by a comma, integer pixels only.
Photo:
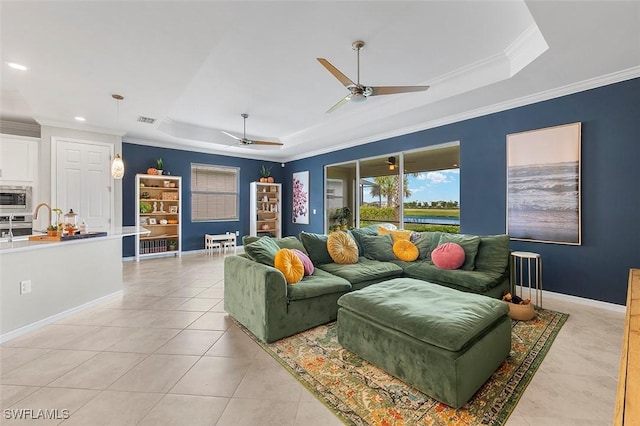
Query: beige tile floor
[{"x": 166, "y": 353}]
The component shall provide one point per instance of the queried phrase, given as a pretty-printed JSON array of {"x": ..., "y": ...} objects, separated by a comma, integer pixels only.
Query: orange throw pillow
[
  {"x": 396, "y": 235},
  {"x": 287, "y": 262},
  {"x": 342, "y": 248},
  {"x": 405, "y": 250}
]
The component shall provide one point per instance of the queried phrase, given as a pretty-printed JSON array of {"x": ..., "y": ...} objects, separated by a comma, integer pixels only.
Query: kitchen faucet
[
  {"x": 10, "y": 236},
  {"x": 35, "y": 213}
]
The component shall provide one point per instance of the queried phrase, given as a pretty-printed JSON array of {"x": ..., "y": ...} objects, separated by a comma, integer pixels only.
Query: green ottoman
[{"x": 442, "y": 341}]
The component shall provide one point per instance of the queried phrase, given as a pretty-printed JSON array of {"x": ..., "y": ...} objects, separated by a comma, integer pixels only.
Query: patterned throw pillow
[
  {"x": 405, "y": 250},
  {"x": 342, "y": 248},
  {"x": 290, "y": 265},
  {"x": 448, "y": 256}
]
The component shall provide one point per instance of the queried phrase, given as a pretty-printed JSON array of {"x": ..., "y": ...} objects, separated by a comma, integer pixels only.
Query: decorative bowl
[{"x": 521, "y": 312}]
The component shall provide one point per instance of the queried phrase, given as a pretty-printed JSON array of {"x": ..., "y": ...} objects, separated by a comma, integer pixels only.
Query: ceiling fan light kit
[
  {"x": 244, "y": 141},
  {"x": 360, "y": 92}
]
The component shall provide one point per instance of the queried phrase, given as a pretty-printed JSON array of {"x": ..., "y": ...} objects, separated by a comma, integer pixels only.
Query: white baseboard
[
  {"x": 53, "y": 318},
  {"x": 573, "y": 299}
]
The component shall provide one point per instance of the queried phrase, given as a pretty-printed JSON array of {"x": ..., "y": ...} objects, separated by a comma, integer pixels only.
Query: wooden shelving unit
[
  {"x": 266, "y": 209},
  {"x": 159, "y": 209}
]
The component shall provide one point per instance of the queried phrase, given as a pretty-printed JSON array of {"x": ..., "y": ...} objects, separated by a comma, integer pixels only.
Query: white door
[{"x": 83, "y": 182}]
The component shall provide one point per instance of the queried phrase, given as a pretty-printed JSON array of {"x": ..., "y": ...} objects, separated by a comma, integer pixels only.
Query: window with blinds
[{"x": 214, "y": 192}]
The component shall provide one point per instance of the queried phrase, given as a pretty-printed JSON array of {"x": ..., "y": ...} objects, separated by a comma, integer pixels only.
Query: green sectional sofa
[{"x": 257, "y": 295}]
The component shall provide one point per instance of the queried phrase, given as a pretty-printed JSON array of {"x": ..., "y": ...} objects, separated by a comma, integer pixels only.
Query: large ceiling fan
[
  {"x": 244, "y": 141},
  {"x": 360, "y": 92}
]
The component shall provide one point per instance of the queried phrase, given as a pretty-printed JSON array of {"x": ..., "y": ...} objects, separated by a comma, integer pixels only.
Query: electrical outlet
[
  {"x": 237, "y": 233},
  {"x": 25, "y": 286}
]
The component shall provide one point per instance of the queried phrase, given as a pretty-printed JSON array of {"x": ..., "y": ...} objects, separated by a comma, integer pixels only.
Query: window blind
[{"x": 214, "y": 192}]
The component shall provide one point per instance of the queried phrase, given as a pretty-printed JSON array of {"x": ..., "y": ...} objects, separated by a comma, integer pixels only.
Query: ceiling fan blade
[
  {"x": 254, "y": 142},
  {"x": 339, "y": 104},
  {"x": 336, "y": 72},
  {"x": 390, "y": 90},
  {"x": 233, "y": 136}
]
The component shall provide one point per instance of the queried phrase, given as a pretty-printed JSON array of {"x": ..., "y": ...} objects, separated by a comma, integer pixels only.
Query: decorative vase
[{"x": 270, "y": 179}]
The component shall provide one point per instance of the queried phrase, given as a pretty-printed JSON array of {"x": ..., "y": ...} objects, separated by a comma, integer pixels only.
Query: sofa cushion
[
  {"x": 317, "y": 284},
  {"x": 378, "y": 247},
  {"x": 469, "y": 243},
  {"x": 493, "y": 253},
  {"x": 286, "y": 242},
  {"x": 426, "y": 243},
  {"x": 342, "y": 248},
  {"x": 357, "y": 234},
  {"x": 364, "y": 270},
  {"x": 306, "y": 262},
  {"x": 405, "y": 250},
  {"x": 316, "y": 246},
  {"x": 397, "y": 235},
  {"x": 433, "y": 314},
  {"x": 287, "y": 262},
  {"x": 474, "y": 281},
  {"x": 263, "y": 250},
  {"x": 448, "y": 256}
]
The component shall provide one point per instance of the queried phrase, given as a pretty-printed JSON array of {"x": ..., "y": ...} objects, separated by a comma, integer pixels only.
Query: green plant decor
[
  {"x": 340, "y": 218},
  {"x": 159, "y": 163},
  {"x": 265, "y": 171}
]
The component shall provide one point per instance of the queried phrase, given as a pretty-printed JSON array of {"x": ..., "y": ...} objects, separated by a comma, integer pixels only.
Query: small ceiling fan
[
  {"x": 360, "y": 92},
  {"x": 244, "y": 141}
]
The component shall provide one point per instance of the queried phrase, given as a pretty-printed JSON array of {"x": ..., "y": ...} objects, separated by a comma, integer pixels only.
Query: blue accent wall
[
  {"x": 138, "y": 158},
  {"x": 610, "y": 116}
]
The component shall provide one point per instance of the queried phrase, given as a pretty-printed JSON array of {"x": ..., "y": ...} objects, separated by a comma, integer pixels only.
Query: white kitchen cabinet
[{"x": 18, "y": 159}]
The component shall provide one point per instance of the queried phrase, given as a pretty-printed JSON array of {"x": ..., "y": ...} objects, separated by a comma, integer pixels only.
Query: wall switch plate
[
  {"x": 314, "y": 211},
  {"x": 237, "y": 233},
  {"x": 25, "y": 286}
]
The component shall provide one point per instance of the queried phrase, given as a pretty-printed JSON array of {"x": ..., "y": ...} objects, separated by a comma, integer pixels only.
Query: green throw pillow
[
  {"x": 469, "y": 244},
  {"x": 493, "y": 253},
  {"x": 357, "y": 234},
  {"x": 286, "y": 242},
  {"x": 263, "y": 250},
  {"x": 316, "y": 247},
  {"x": 290, "y": 243},
  {"x": 378, "y": 247},
  {"x": 426, "y": 243}
]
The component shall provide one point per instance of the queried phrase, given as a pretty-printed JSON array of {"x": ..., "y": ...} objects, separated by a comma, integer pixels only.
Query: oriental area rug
[{"x": 362, "y": 394}]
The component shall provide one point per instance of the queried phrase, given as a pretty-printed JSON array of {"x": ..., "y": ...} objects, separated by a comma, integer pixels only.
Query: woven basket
[{"x": 521, "y": 312}]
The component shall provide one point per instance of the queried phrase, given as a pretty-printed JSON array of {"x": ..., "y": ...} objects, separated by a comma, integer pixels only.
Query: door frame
[{"x": 54, "y": 170}]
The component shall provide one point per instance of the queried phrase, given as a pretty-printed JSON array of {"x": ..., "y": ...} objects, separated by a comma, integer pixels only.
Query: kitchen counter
[
  {"x": 42, "y": 282},
  {"x": 22, "y": 243}
]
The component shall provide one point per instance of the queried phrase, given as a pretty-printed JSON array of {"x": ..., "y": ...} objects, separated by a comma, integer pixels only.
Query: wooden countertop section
[{"x": 628, "y": 397}]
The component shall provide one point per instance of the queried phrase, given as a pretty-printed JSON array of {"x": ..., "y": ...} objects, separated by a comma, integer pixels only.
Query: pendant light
[{"x": 117, "y": 165}]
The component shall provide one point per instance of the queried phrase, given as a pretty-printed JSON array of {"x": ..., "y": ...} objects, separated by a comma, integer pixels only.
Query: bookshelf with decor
[
  {"x": 266, "y": 209},
  {"x": 159, "y": 210}
]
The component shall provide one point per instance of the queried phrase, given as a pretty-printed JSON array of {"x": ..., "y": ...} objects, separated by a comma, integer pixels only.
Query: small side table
[{"x": 529, "y": 265}]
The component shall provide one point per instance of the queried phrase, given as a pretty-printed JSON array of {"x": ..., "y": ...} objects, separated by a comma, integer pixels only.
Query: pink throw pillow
[
  {"x": 448, "y": 256},
  {"x": 306, "y": 262}
]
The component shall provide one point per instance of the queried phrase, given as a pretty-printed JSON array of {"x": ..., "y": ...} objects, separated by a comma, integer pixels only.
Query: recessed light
[
  {"x": 78, "y": 118},
  {"x": 17, "y": 66}
]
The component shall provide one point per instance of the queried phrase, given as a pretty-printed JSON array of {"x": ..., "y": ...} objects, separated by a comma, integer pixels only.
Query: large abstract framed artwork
[
  {"x": 543, "y": 185},
  {"x": 301, "y": 197}
]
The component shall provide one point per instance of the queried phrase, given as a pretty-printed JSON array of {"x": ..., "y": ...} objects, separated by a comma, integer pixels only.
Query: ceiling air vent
[{"x": 146, "y": 120}]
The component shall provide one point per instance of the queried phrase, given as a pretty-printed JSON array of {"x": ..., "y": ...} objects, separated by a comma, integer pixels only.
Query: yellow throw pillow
[
  {"x": 405, "y": 250},
  {"x": 342, "y": 248},
  {"x": 287, "y": 262},
  {"x": 396, "y": 235}
]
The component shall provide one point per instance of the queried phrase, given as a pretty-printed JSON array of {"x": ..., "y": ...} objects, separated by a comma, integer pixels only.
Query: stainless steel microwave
[{"x": 15, "y": 199}]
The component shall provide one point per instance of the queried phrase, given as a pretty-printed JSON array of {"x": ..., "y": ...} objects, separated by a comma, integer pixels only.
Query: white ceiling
[{"x": 195, "y": 66}]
